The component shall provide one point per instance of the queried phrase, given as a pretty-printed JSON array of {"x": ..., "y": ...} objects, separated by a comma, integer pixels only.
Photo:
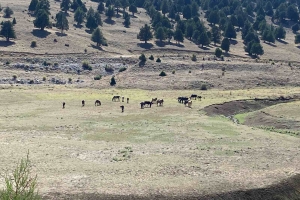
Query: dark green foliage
[
  {"x": 122, "y": 69},
  {"x": 125, "y": 4},
  {"x": 110, "y": 12},
  {"x": 297, "y": 39},
  {"x": 257, "y": 49},
  {"x": 41, "y": 20},
  {"x": 251, "y": 36},
  {"x": 170, "y": 34},
  {"x": 109, "y": 69},
  {"x": 151, "y": 57},
  {"x": 8, "y": 12},
  {"x": 269, "y": 9},
  {"x": 203, "y": 87},
  {"x": 164, "y": 7},
  {"x": 33, "y": 44},
  {"x": 62, "y": 21},
  {"x": 145, "y": 33},
  {"x": 187, "y": 12},
  {"x": 132, "y": 9},
  {"x": 113, "y": 81},
  {"x": 7, "y": 30},
  {"x": 65, "y": 5},
  {"x": 216, "y": 34},
  {"x": 142, "y": 58},
  {"x": 225, "y": 45},
  {"x": 194, "y": 58},
  {"x": 280, "y": 33},
  {"x": 195, "y": 9},
  {"x": 295, "y": 28},
  {"x": 230, "y": 31},
  {"x": 42, "y": 5},
  {"x": 178, "y": 36},
  {"x": 127, "y": 21},
  {"x": 203, "y": 39},
  {"x": 214, "y": 17},
  {"x": 33, "y": 5},
  {"x": 218, "y": 52},
  {"x": 79, "y": 16},
  {"x": 86, "y": 66},
  {"x": 101, "y": 7},
  {"x": 98, "y": 37},
  {"x": 292, "y": 13},
  {"x": 189, "y": 30},
  {"x": 160, "y": 34},
  {"x": 78, "y": 3},
  {"x": 162, "y": 73},
  {"x": 93, "y": 19},
  {"x": 158, "y": 60},
  {"x": 117, "y": 6},
  {"x": 14, "y": 21},
  {"x": 268, "y": 35}
]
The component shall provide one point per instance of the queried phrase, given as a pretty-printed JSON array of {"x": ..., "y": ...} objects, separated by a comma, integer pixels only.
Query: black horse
[
  {"x": 115, "y": 98},
  {"x": 149, "y": 103},
  {"x": 97, "y": 103},
  {"x": 194, "y": 96},
  {"x": 182, "y": 99},
  {"x": 64, "y": 105},
  {"x": 122, "y": 107},
  {"x": 82, "y": 103},
  {"x": 142, "y": 105}
]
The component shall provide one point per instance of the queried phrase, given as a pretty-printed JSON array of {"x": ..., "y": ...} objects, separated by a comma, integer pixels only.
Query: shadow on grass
[
  {"x": 39, "y": 33},
  {"x": 233, "y": 42},
  {"x": 204, "y": 48},
  {"x": 78, "y": 26},
  {"x": 96, "y": 47},
  {"x": 145, "y": 45},
  {"x": 282, "y": 41},
  {"x": 6, "y": 44},
  {"x": 270, "y": 44},
  {"x": 110, "y": 21},
  {"x": 60, "y": 34}
]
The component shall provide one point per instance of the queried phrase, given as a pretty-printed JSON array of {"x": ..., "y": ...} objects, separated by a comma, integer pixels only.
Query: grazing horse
[
  {"x": 122, "y": 99},
  {"x": 160, "y": 102},
  {"x": 82, "y": 103},
  {"x": 154, "y": 100},
  {"x": 64, "y": 105},
  {"x": 142, "y": 105},
  {"x": 122, "y": 107},
  {"x": 149, "y": 103},
  {"x": 194, "y": 96},
  {"x": 186, "y": 102},
  {"x": 127, "y": 100},
  {"x": 199, "y": 97},
  {"x": 97, "y": 103},
  {"x": 115, "y": 98},
  {"x": 190, "y": 104}
]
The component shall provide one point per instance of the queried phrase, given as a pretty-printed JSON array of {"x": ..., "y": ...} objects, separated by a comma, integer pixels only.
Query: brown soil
[
  {"x": 242, "y": 106},
  {"x": 288, "y": 189}
]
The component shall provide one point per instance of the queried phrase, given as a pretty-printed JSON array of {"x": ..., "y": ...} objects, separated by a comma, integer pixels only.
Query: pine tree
[
  {"x": 33, "y": 5},
  {"x": 225, "y": 45},
  {"x": 214, "y": 17},
  {"x": 257, "y": 49},
  {"x": 218, "y": 52},
  {"x": 187, "y": 12},
  {"x": 7, "y": 30},
  {"x": 101, "y": 7},
  {"x": 160, "y": 34},
  {"x": 62, "y": 22},
  {"x": 269, "y": 9},
  {"x": 14, "y": 21},
  {"x": 280, "y": 33},
  {"x": 113, "y": 81},
  {"x": 43, "y": 5},
  {"x": 41, "y": 20},
  {"x": 91, "y": 22},
  {"x": 98, "y": 37},
  {"x": 125, "y": 4},
  {"x": 297, "y": 39},
  {"x": 145, "y": 34},
  {"x": 65, "y": 5},
  {"x": 203, "y": 39},
  {"x": 133, "y": 9},
  {"x": 127, "y": 21},
  {"x": 79, "y": 16},
  {"x": 8, "y": 12},
  {"x": 170, "y": 34},
  {"x": 164, "y": 7},
  {"x": 189, "y": 30},
  {"x": 118, "y": 5},
  {"x": 178, "y": 36},
  {"x": 216, "y": 34},
  {"x": 97, "y": 17},
  {"x": 110, "y": 12},
  {"x": 230, "y": 31},
  {"x": 195, "y": 9}
]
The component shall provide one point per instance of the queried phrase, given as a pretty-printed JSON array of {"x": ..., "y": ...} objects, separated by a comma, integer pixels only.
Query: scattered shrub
[
  {"x": 151, "y": 57},
  {"x": 45, "y": 63},
  {"x": 122, "y": 69},
  {"x": 109, "y": 69},
  {"x": 223, "y": 69},
  {"x": 44, "y": 78},
  {"x": 158, "y": 60},
  {"x": 7, "y": 63},
  {"x": 142, "y": 58},
  {"x": 33, "y": 44},
  {"x": 218, "y": 52},
  {"x": 14, "y": 77},
  {"x": 85, "y": 50},
  {"x": 194, "y": 58},
  {"x": 190, "y": 71},
  {"x": 70, "y": 80},
  {"x": 14, "y": 21},
  {"x": 290, "y": 64},
  {"x": 31, "y": 82},
  {"x": 86, "y": 66},
  {"x": 173, "y": 72},
  {"x": 162, "y": 73},
  {"x": 55, "y": 64},
  {"x": 203, "y": 87},
  {"x": 113, "y": 81},
  {"x": 98, "y": 77}
]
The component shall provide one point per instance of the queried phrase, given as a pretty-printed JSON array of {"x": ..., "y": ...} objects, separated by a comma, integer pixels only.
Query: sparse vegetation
[
  {"x": 113, "y": 81},
  {"x": 194, "y": 58},
  {"x": 203, "y": 87},
  {"x": 142, "y": 58},
  {"x": 151, "y": 57},
  {"x": 33, "y": 44},
  {"x": 162, "y": 73},
  {"x": 122, "y": 69},
  {"x": 158, "y": 60},
  {"x": 98, "y": 77},
  {"x": 109, "y": 69},
  {"x": 86, "y": 66}
]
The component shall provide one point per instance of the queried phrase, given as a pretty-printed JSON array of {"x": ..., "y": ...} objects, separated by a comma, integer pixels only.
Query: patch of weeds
[
  {"x": 86, "y": 66},
  {"x": 151, "y": 57},
  {"x": 282, "y": 131},
  {"x": 109, "y": 69},
  {"x": 122, "y": 69},
  {"x": 203, "y": 87},
  {"x": 98, "y": 77},
  {"x": 123, "y": 154},
  {"x": 162, "y": 73}
]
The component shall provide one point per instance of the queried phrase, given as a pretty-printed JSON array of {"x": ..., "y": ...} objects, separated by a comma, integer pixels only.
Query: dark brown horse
[
  {"x": 127, "y": 100},
  {"x": 115, "y": 98},
  {"x": 122, "y": 107},
  {"x": 64, "y": 105},
  {"x": 142, "y": 105},
  {"x": 160, "y": 102},
  {"x": 97, "y": 103},
  {"x": 194, "y": 96},
  {"x": 83, "y": 103}
]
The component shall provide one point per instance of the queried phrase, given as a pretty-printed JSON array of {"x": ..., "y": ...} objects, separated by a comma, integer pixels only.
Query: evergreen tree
[
  {"x": 41, "y": 20},
  {"x": 218, "y": 52},
  {"x": 269, "y": 9},
  {"x": 79, "y": 16},
  {"x": 280, "y": 33},
  {"x": 145, "y": 34},
  {"x": 195, "y": 36},
  {"x": 230, "y": 31},
  {"x": 118, "y": 5},
  {"x": 133, "y": 9},
  {"x": 240, "y": 21},
  {"x": 164, "y": 7},
  {"x": 42, "y": 5},
  {"x": 172, "y": 13},
  {"x": 214, "y": 17},
  {"x": 187, "y": 12},
  {"x": 62, "y": 22},
  {"x": 125, "y": 4},
  {"x": 108, "y": 3},
  {"x": 233, "y": 20},
  {"x": 33, "y": 5},
  {"x": 292, "y": 13},
  {"x": 170, "y": 34},
  {"x": 97, "y": 17},
  {"x": 178, "y": 36},
  {"x": 65, "y": 5},
  {"x": 225, "y": 45},
  {"x": 203, "y": 39},
  {"x": 195, "y": 9},
  {"x": 160, "y": 34},
  {"x": 268, "y": 35},
  {"x": 297, "y": 39},
  {"x": 127, "y": 21},
  {"x": 7, "y": 30},
  {"x": 8, "y": 12},
  {"x": 257, "y": 49},
  {"x": 113, "y": 81},
  {"x": 98, "y": 37},
  {"x": 189, "y": 30},
  {"x": 14, "y": 21},
  {"x": 216, "y": 34},
  {"x": 101, "y": 7},
  {"x": 110, "y": 12},
  {"x": 91, "y": 22},
  {"x": 295, "y": 28}
]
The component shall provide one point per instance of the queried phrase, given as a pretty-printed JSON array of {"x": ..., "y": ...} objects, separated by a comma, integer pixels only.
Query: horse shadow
[
  {"x": 145, "y": 45},
  {"x": 39, "y": 33}
]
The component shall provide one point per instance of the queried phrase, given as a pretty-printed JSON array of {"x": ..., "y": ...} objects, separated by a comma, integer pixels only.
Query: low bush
[
  {"x": 151, "y": 57},
  {"x": 98, "y": 77},
  {"x": 86, "y": 66},
  {"x": 122, "y": 69},
  {"x": 142, "y": 58},
  {"x": 158, "y": 60},
  {"x": 162, "y": 73},
  {"x": 113, "y": 81},
  {"x": 33, "y": 44},
  {"x": 173, "y": 72},
  {"x": 203, "y": 87},
  {"x": 109, "y": 69},
  {"x": 194, "y": 58}
]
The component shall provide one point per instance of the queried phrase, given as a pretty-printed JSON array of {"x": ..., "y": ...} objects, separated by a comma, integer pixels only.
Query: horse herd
[{"x": 187, "y": 101}]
